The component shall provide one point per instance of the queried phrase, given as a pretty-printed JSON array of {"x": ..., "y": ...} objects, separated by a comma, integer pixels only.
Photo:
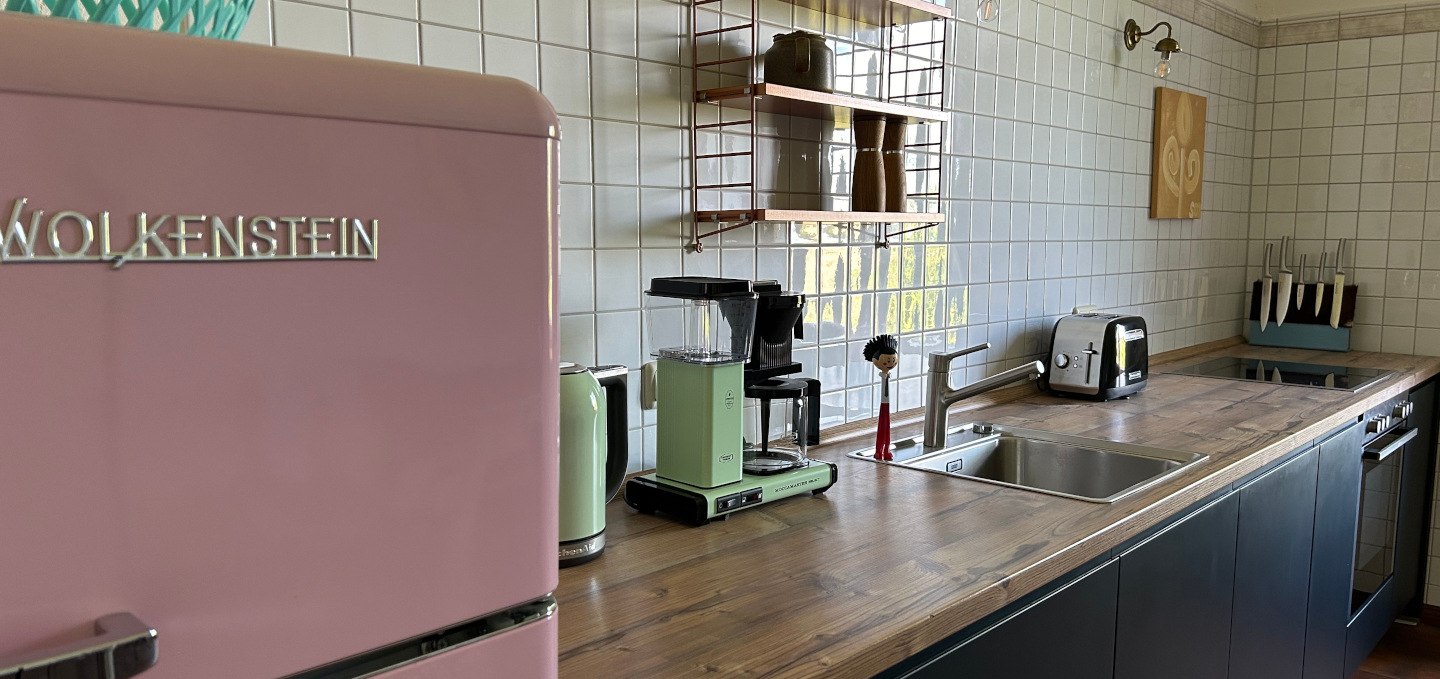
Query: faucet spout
[{"x": 941, "y": 396}]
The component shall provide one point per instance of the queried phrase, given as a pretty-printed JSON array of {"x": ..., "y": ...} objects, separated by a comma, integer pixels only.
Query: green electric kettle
[{"x": 594, "y": 454}]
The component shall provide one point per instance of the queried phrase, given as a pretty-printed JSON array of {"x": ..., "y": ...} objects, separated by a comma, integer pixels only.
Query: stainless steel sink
[{"x": 1094, "y": 470}]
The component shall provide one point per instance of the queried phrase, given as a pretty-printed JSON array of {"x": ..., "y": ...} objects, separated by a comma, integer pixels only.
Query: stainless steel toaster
[{"x": 1098, "y": 356}]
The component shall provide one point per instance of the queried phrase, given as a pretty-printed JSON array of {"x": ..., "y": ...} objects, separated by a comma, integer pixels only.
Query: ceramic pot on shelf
[{"x": 801, "y": 59}]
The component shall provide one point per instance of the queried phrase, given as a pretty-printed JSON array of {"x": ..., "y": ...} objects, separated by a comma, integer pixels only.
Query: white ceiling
[{"x": 1268, "y": 10}]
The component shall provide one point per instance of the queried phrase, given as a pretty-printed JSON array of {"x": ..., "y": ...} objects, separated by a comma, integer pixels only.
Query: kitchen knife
[
  {"x": 1320, "y": 282},
  {"x": 1337, "y": 297},
  {"x": 1304, "y": 280},
  {"x": 1287, "y": 277},
  {"x": 1266, "y": 282},
  {"x": 1260, "y": 370},
  {"x": 1275, "y": 376}
]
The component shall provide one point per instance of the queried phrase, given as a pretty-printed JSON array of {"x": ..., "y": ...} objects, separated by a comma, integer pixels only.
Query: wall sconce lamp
[{"x": 1166, "y": 46}]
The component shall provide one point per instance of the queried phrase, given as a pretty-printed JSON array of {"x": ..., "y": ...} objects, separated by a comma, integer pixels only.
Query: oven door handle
[{"x": 1371, "y": 455}]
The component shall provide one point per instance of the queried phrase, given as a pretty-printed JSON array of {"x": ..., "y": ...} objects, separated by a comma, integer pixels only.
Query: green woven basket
[{"x": 210, "y": 18}]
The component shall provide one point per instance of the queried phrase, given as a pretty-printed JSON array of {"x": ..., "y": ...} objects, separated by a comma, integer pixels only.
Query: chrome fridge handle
[{"x": 122, "y": 647}]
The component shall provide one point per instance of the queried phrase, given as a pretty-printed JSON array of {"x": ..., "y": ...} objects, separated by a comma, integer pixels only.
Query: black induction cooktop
[{"x": 1341, "y": 377}]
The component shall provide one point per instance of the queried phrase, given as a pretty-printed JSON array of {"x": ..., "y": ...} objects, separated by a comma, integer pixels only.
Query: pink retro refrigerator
[{"x": 278, "y": 394}]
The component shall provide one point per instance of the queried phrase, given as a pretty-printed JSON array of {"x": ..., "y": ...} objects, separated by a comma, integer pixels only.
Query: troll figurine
[{"x": 883, "y": 354}]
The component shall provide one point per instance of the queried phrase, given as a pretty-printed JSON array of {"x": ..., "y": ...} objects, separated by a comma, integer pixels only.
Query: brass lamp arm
[{"x": 1133, "y": 35}]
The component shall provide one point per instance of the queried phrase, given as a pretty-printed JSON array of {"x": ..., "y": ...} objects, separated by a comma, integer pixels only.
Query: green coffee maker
[{"x": 700, "y": 329}]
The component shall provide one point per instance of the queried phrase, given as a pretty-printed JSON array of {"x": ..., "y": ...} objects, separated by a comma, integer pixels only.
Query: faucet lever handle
[{"x": 940, "y": 363}]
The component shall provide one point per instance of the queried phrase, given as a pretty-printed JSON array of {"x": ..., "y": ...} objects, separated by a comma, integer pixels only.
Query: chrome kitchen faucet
[{"x": 940, "y": 396}]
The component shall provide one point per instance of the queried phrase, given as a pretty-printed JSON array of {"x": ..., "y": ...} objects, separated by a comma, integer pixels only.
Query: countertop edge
[{"x": 952, "y": 618}]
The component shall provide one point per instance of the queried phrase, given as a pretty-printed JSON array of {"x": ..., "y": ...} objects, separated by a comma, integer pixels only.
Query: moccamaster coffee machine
[
  {"x": 777, "y": 326},
  {"x": 702, "y": 330}
]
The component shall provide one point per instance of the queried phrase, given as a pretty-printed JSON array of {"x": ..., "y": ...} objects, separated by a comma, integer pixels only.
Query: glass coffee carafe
[{"x": 775, "y": 432}]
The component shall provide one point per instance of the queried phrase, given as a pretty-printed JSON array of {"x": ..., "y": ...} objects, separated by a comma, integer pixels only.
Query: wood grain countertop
[{"x": 890, "y": 560}]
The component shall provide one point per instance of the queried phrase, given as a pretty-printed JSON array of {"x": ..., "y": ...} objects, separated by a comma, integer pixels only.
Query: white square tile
[
  {"x": 617, "y": 280},
  {"x": 455, "y": 13},
  {"x": 575, "y": 162},
  {"x": 577, "y": 216},
  {"x": 662, "y": 156},
  {"x": 617, "y": 217},
  {"x": 617, "y": 153},
  {"x": 515, "y": 18},
  {"x": 577, "y": 339},
  {"x": 614, "y": 84},
  {"x": 308, "y": 27},
  {"x": 1387, "y": 50},
  {"x": 1383, "y": 80},
  {"x": 446, "y": 47},
  {"x": 659, "y": 88},
  {"x": 387, "y": 38},
  {"x": 1320, "y": 85},
  {"x": 565, "y": 79},
  {"x": 1321, "y": 56},
  {"x": 564, "y": 22},
  {"x": 1354, "y": 53},
  {"x": 400, "y": 9},
  {"x": 1420, "y": 47},
  {"x": 613, "y": 24},
  {"x": 1290, "y": 59},
  {"x": 577, "y": 281},
  {"x": 257, "y": 26},
  {"x": 512, "y": 58},
  {"x": 621, "y": 340},
  {"x": 1351, "y": 82},
  {"x": 1417, "y": 77},
  {"x": 659, "y": 33}
]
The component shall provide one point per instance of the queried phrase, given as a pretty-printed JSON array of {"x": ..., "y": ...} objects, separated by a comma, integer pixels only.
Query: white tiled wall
[
  {"x": 1343, "y": 149},
  {"x": 1347, "y": 146},
  {"x": 1046, "y": 172}
]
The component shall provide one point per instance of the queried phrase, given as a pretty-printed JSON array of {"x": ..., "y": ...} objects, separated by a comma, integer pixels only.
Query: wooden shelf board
[
  {"x": 879, "y": 12},
  {"x": 779, "y": 215},
  {"x": 795, "y": 101}
]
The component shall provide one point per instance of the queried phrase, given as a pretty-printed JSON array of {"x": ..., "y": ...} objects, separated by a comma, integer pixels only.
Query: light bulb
[
  {"x": 987, "y": 10},
  {"x": 1163, "y": 68}
]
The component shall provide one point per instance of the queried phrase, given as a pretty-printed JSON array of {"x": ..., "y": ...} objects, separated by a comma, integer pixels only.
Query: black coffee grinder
[{"x": 777, "y": 326}]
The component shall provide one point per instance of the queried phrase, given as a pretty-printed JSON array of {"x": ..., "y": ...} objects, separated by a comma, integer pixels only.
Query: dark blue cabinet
[
  {"x": 1272, "y": 571},
  {"x": 1067, "y": 633},
  {"x": 1174, "y": 612},
  {"x": 1332, "y": 559}
]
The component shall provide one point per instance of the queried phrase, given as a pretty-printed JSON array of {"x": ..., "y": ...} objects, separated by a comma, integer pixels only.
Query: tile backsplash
[
  {"x": 1045, "y": 176},
  {"x": 1343, "y": 149},
  {"x": 1332, "y": 121}
]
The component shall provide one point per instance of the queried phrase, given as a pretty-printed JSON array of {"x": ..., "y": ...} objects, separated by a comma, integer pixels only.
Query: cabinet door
[
  {"x": 1068, "y": 633},
  {"x": 1175, "y": 598},
  {"x": 1415, "y": 481},
  {"x": 1332, "y": 557},
  {"x": 1272, "y": 571}
]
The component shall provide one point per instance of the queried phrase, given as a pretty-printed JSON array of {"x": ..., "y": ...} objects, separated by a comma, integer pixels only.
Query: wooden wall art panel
[{"x": 1178, "y": 162}]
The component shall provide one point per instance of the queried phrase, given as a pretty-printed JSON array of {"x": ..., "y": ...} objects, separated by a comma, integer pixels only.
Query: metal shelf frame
[{"x": 919, "y": 97}]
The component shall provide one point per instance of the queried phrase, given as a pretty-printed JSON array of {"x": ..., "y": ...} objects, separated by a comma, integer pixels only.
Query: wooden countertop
[{"x": 890, "y": 561}]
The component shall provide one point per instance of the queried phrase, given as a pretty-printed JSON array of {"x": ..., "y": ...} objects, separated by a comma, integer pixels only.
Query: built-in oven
[
  {"x": 1382, "y": 461},
  {"x": 1373, "y": 603}
]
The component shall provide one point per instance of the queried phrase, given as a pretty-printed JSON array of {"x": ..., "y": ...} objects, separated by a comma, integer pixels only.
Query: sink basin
[{"x": 1094, "y": 470}]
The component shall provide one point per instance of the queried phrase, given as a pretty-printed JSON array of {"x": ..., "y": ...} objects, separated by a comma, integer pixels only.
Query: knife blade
[
  {"x": 1330, "y": 380},
  {"x": 1275, "y": 376},
  {"x": 1320, "y": 282},
  {"x": 1266, "y": 282},
  {"x": 1304, "y": 280},
  {"x": 1260, "y": 370},
  {"x": 1337, "y": 298},
  {"x": 1287, "y": 277}
]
